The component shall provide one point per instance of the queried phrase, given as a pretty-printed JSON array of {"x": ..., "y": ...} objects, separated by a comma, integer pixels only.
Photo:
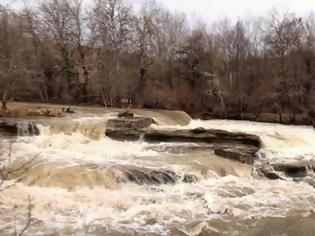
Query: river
[{"x": 83, "y": 183}]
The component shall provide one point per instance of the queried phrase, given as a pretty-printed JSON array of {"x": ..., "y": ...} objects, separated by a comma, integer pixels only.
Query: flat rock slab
[
  {"x": 236, "y": 146},
  {"x": 127, "y": 134},
  {"x": 201, "y": 135}
]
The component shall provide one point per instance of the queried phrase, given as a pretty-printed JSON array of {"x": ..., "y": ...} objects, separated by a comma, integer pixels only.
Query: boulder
[
  {"x": 129, "y": 123},
  {"x": 244, "y": 154},
  {"x": 127, "y": 128},
  {"x": 125, "y": 114},
  {"x": 267, "y": 172},
  {"x": 68, "y": 110}
]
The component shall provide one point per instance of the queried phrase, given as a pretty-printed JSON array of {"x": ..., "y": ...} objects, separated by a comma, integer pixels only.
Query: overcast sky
[{"x": 211, "y": 10}]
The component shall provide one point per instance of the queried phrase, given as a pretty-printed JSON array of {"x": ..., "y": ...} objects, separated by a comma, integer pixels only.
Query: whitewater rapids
[{"x": 82, "y": 183}]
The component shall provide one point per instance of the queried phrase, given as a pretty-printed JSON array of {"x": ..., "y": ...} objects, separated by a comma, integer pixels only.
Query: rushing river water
[{"x": 82, "y": 183}]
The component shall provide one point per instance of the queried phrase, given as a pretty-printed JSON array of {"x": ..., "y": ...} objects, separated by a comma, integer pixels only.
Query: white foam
[
  {"x": 136, "y": 209},
  {"x": 279, "y": 141}
]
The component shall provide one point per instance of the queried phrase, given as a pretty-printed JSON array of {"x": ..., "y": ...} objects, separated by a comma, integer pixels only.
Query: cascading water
[
  {"x": 82, "y": 183},
  {"x": 27, "y": 129}
]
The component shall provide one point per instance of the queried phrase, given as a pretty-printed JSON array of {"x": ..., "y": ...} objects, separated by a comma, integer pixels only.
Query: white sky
[{"x": 211, "y": 10}]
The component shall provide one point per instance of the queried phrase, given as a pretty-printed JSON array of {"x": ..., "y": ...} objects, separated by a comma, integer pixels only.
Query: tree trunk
[
  {"x": 280, "y": 114},
  {"x": 4, "y": 102}
]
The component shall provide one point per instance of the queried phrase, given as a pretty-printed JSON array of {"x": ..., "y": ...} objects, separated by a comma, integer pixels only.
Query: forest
[{"x": 106, "y": 53}]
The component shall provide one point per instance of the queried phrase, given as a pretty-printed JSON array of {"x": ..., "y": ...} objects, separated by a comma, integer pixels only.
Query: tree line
[{"x": 100, "y": 53}]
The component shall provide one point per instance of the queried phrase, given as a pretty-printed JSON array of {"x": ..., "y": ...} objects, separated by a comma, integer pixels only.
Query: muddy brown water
[{"x": 83, "y": 183}]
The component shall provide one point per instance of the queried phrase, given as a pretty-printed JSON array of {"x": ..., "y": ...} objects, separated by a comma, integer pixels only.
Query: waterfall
[{"x": 27, "y": 129}]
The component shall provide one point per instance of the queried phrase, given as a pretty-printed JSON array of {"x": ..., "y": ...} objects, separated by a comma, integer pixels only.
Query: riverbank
[
  {"x": 29, "y": 109},
  {"x": 285, "y": 118},
  {"x": 84, "y": 182}
]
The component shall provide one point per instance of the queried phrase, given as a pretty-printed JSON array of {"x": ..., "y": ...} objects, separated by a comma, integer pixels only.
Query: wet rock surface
[
  {"x": 267, "y": 172},
  {"x": 298, "y": 172},
  {"x": 125, "y": 114},
  {"x": 244, "y": 154},
  {"x": 127, "y": 128},
  {"x": 293, "y": 170},
  {"x": 201, "y": 135},
  {"x": 236, "y": 146},
  {"x": 155, "y": 177},
  {"x": 18, "y": 128},
  {"x": 129, "y": 123},
  {"x": 144, "y": 176}
]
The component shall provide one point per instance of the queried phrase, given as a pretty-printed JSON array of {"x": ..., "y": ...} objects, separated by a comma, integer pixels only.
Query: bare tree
[
  {"x": 112, "y": 23},
  {"x": 7, "y": 172},
  {"x": 57, "y": 25},
  {"x": 147, "y": 31},
  {"x": 83, "y": 42},
  {"x": 284, "y": 37}
]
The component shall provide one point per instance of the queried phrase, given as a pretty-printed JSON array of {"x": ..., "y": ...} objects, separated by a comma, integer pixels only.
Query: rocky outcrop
[
  {"x": 201, "y": 135},
  {"x": 18, "y": 128},
  {"x": 236, "y": 146}
]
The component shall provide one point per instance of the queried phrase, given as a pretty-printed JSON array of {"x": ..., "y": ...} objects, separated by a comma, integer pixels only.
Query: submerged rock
[
  {"x": 146, "y": 176},
  {"x": 154, "y": 176}
]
